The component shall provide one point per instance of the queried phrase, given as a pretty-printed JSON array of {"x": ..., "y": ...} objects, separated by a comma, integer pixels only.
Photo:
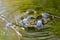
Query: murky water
[{"x": 45, "y": 34}]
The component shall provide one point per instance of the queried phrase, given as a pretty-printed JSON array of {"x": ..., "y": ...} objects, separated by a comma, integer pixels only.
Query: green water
[
  {"x": 13, "y": 8},
  {"x": 51, "y": 33}
]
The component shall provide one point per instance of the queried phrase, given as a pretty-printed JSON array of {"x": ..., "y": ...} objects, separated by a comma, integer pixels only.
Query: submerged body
[{"x": 39, "y": 23}]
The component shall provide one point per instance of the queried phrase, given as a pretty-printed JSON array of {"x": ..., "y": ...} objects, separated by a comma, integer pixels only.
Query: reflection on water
[{"x": 45, "y": 34}]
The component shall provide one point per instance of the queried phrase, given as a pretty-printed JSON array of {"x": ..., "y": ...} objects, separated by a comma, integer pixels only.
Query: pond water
[{"x": 52, "y": 33}]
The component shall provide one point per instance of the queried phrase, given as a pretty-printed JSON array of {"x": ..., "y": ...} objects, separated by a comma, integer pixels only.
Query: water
[
  {"x": 44, "y": 34},
  {"x": 51, "y": 33}
]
